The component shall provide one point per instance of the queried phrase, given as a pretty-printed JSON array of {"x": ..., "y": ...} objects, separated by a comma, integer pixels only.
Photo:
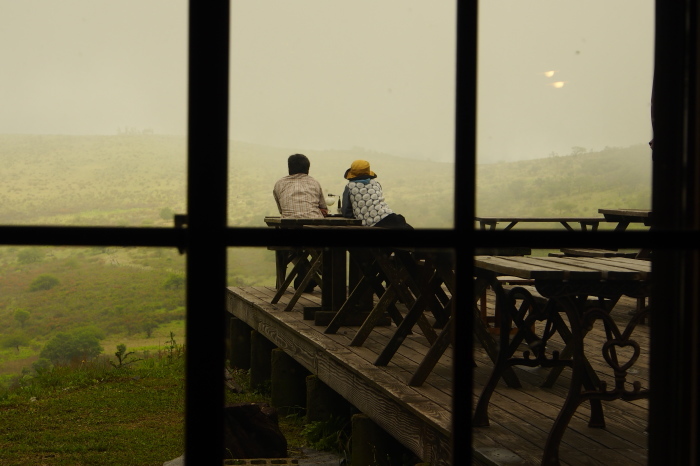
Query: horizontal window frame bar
[
  {"x": 262, "y": 237},
  {"x": 92, "y": 236}
]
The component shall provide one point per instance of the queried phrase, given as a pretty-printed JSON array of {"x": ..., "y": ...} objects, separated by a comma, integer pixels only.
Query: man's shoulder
[{"x": 308, "y": 179}]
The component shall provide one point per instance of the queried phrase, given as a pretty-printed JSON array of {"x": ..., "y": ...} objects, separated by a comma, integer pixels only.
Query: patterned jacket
[{"x": 364, "y": 200}]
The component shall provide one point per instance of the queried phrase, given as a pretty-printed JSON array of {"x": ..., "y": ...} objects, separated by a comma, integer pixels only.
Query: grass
[{"x": 94, "y": 413}]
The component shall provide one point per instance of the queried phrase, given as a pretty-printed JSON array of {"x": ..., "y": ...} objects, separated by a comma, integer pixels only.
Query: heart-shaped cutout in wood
[{"x": 614, "y": 350}]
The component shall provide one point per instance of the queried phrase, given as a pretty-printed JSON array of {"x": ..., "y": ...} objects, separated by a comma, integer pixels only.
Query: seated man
[{"x": 300, "y": 196}]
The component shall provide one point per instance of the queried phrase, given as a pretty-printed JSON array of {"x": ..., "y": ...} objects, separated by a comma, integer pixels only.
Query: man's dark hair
[{"x": 298, "y": 163}]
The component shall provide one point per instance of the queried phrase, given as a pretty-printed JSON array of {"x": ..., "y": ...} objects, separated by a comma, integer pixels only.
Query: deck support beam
[
  {"x": 323, "y": 403},
  {"x": 238, "y": 344},
  {"x": 260, "y": 360},
  {"x": 372, "y": 445},
  {"x": 287, "y": 384}
]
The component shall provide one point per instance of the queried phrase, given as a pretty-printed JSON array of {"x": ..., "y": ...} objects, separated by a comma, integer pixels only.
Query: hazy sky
[
  {"x": 602, "y": 55},
  {"x": 325, "y": 74}
]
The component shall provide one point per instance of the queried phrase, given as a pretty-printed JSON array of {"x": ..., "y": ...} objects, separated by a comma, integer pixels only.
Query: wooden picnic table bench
[
  {"x": 591, "y": 252},
  {"x": 624, "y": 217},
  {"x": 330, "y": 265},
  {"x": 584, "y": 222},
  {"x": 566, "y": 284},
  {"x": 331, "y": 220}
]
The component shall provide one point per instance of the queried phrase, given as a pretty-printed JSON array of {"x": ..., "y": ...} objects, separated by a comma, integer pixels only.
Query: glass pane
[
  {"x": 92, "y": 346},
  {"x": 94, "y": 112},
  {"x": 317, "y": 364},
  {"x": 338, "y": 82},
  {"x": 553, "y": 326},
  {"x": 564, "y": 107}
]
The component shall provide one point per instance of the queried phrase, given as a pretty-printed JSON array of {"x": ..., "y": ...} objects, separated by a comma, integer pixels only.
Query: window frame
[{"x": 206, "y": 235}]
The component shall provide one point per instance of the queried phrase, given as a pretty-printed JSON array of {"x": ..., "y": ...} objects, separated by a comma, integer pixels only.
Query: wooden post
[
  {"x": 287, "y": 384},
  {"x": 355, "y": 274},
  {"x": 260, "y": 361},
  {"x": 238, "y": 344},
  {"x": 372, "y": 445},
  {"x": 322, "y": 402}
]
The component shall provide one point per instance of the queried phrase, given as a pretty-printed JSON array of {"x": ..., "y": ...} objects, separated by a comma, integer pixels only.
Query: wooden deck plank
[
  {"x": 420, "y": 417},
  {"x": 396, "y": 407}
]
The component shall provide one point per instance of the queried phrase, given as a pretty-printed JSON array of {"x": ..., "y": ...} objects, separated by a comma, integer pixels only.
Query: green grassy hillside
[
  {"x": 90, "y": 180},
  {"x": 132, "y": 179},
  {"x": 574, "y": 185},
  {"x": 140, "y": 180},
  {"x": 117, "y": 291}
]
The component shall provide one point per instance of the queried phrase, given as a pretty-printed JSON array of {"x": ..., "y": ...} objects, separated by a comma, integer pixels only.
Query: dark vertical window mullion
[
  {"x": 669, "y": 422},
  {"x": 464, "y": 208},
  {"x": 206, "y": 226}
]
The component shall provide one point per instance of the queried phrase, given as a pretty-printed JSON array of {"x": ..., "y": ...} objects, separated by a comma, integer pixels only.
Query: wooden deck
[{"x": 420, "y": 417}]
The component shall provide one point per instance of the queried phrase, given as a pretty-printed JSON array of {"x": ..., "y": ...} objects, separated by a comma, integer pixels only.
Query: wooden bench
[
  {"x": 573, "y": 252},
  {"x": 584, "y": 222},
  {"x": 493, "y": 322},
  {"x": 585, "y": 252}
]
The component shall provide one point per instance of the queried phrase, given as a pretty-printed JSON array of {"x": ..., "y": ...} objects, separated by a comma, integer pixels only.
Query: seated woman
[{"x": 363, "y": 199}]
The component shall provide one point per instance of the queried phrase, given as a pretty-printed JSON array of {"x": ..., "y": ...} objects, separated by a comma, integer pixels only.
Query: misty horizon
[{"x": 314, "y": 75}]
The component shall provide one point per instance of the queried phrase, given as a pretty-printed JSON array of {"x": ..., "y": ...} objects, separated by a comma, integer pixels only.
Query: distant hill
[
  {"x": 132, "y": 179},
  {"x": 90, "y": 180},
  {"x": 129, "y": 179},
  {"x": 420, "y": 190},
  {"x": 573, "y": 185}
]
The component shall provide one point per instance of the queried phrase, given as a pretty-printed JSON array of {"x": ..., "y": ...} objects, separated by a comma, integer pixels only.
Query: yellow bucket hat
[{"x": 359, "y": 168}]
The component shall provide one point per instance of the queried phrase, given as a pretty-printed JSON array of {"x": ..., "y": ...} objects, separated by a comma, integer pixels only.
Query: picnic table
[
  {"x": 412, "y": 277},
  {"x": 584, "y": 222},
  {"x": 331, "y": 220},
  {"x": 565, "y": 285},
  {"x": 624, "y": 217},
  {"x": 326, "y": 268}
]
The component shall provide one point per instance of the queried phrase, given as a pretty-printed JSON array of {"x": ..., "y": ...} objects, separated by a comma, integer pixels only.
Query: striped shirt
[{"x": 299, "y": 196}]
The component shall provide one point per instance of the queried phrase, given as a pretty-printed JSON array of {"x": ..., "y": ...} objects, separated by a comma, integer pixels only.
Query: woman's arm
[{"x": 346, "y": 205}]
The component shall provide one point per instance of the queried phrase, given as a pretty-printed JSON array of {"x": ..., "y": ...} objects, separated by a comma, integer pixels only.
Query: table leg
[
  {"x": 578, "y": 380},
  {"x": 339, "y": 278},
  {"x": 298, "y": 258},
  {"x": 365, "y": 301},
  {"x": 482, "y": 334},
  {"x": 281, "y": 261},
  {"x": 579, "y": 377},
  {"x": 409, "y": 320},
  {"x": 327, "y": 274},
  {"x": 402, "y": 281},
  {"x": 622, "y": 225},
  {"x": 315, "y": 265},
  {"x": 431, "y": 358}
]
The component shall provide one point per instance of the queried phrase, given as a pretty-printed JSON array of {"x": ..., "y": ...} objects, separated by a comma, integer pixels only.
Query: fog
[
  {"x": 318, "y": 74},
  {"x": 601, "y": 52}
]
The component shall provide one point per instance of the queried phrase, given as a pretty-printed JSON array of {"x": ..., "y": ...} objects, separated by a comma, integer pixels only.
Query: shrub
[
  {"x": 174, "y": 282},
  {"x": 149, "y": 326},
  {"x": 44, "y": 282},
  {"x": 166, "y": 213},
  {"x": 14, "y": 340},
  {"x": 21, "y": 316},
  {"x": 42, "y": 365},
  {"x": 29, "y": 255},
  {"x": 122, "y": 357},
  {"x": 81, "y": 344}
]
